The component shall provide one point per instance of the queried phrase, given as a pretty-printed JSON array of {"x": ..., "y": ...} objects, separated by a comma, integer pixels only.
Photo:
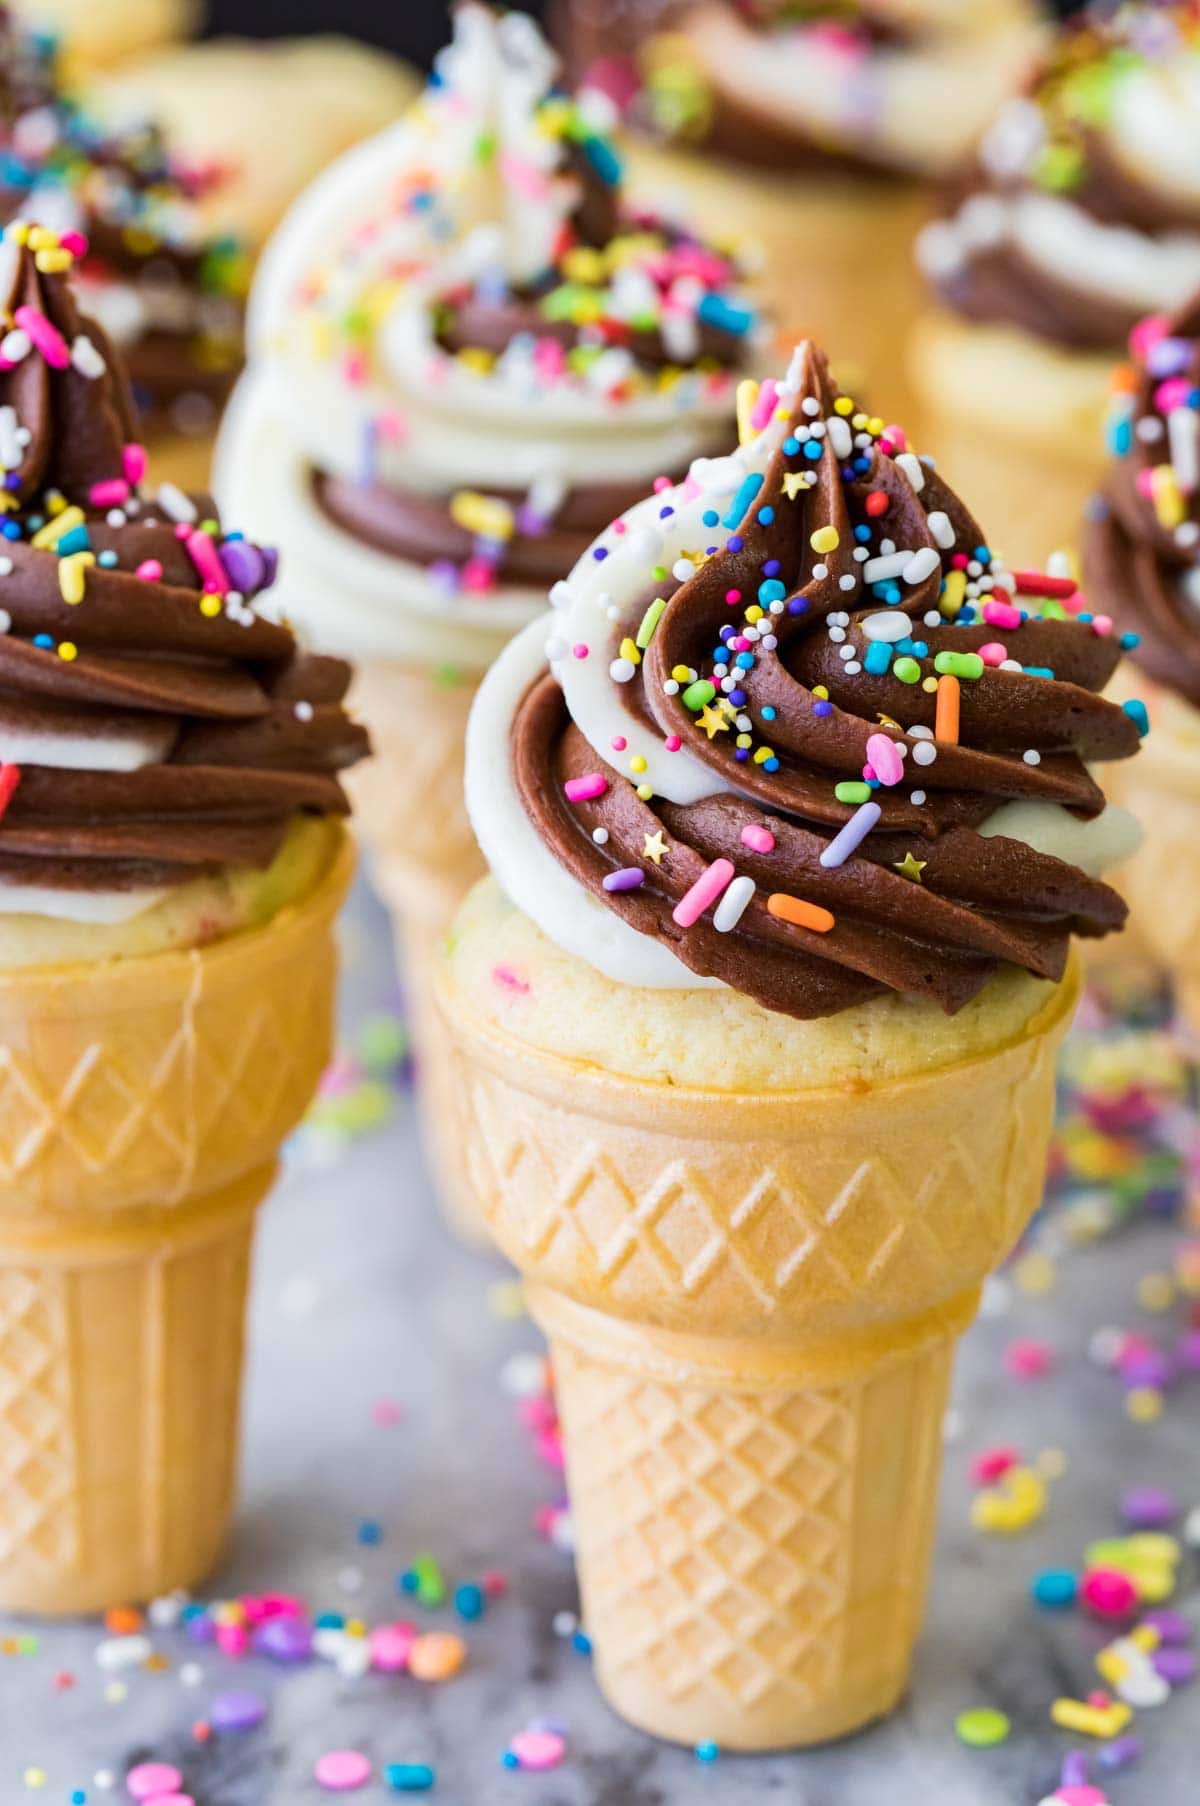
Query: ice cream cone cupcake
[
  {"x": 171, "y": 861},
  {"x": 465, "y": 364},
  {"x": 1082, "y": 215},
  {"x": 1141, "y": 570},
  {"x": 168, "y": 291},
  {"x": 814, "y": 132},
  {"x": 755, "y": 1028}
]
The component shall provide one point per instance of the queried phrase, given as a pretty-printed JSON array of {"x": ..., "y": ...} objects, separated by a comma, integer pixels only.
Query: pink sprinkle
[
  {"x": 619, "y": 743},
  {"x": 1001, "y": 614},
  {"x": 960, "y": 561},
  {"x": 1028, "y": 1358},
  {"x": 993, "y": 653},
  {"x": 150, "y": 1778},
  {"x": 691, "y": 489},
  {"x": 538, "y": 1750},
  {"x": 354, "y": 369},
  {"x": 1103, "y": 625},
  {"x": 579, "y": 651},
  {"x": 672, "y": 743},
  {"x": 582, "y": 790},
  {"x": 764, "y": 407},
  {"x": 661, "y": 483},
  {"x": 1145, "y": 483},
  {"x": 704, "y": 892},
  {"x": 758, "y": 839},
  {"x": 392, "y": 425},
  {"x": 1147, "y": 333},
  {"x": 133, "y": 462},
  {"x": 884, "y": 755},
  {"x": 182, "y": 530},
  {"x": 733, "y": 597},
  {"x": 494, "y": 1583},
  {"x": 342, "y": 1771},
  {"x": 1108, "y": 1593},
  {"x": 390, "y": 1646},
  {"x": 150, "y": 570},
  {"x": 507, "y": 979},
  {"x": 617, "y": 526},
  {"x": 45, "y": 335},
  {"x": 478, "y": 576},
  {"x": 896, "y": 437},
  {"x": 232, "y": 1639},
  {"x": 74, "y": 242},
  {"x": 109, "y": 494},
  {"x": 1082, "y": 1795},
  {"x": 992, "y": 1464},
  {"x": 1172, "y": 394},
  {"x": 385, "y": 1413},
  {"x": 172, "y": 1799},
  {"x": 203, "y": 554}
]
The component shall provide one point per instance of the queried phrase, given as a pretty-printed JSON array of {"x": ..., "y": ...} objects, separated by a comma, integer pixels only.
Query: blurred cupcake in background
[
  {"x": 814, "y": 130},
  {"x": 1141, "y": 564},
  {"x": 233, "y": 105},
  {"x": 168, "y": 294},
  {"x": 468, "y": 356},
  {"x": 1082, "y": 215},
  {"x": 99, "y": 33}
]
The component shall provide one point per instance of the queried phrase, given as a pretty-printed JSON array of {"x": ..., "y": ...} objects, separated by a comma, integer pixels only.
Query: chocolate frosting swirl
[
  {"x": 792, "y": 707},
  {"x": 1141, "y": 543},
  {"x": 171, "y": 727}
]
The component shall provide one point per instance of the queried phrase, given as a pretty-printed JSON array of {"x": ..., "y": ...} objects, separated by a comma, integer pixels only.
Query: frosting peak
[{"x": 806, "y": 732}]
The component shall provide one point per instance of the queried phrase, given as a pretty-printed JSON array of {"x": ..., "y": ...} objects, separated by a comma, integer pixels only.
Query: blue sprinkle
[
  {"x": 666, "y": 513},
  {"x": 107, "y": 559},
  {"x": 409, "y": 1777},
  {"x": 1137, "y": 714},
  {"x": 878, "y": 658},
  {"x": 1129, "y": 640},
  {"x": 727, "y": 632},
  {"x": 791, "y": 447},
  {"x": 770, "y": 764},
  {"x": 715, "y": 310},
  {"x": 737, "y": 698},
  {"x": 370, "y": 1533},
  {"x": 10, "y": 530},
  {"x": 861, "y": 466},
  {"x": 408, "y": 1582},
  {"x": 744, "y": 661},
  {"x": 813, "y": 449},
  {"x": 1037, "y": 670},
  {"x": 710, "y": 517},
  {"x": 771, "y": 591},
  {"x": 983, "y": 555},
  {"x": 765, "y": 516},
  {"x": 1120, "y": 437},
  {"x": 1086, "y": 616},
  {"x": 43, "y": 640},
  {"x": 741, "y": 755},
  {"x": 768, "y": 713},
  {"x": 707, "y": 1752},
  {"x": 872, "y": 783},
  {"x": 747, "y": 489},
  {"x": 469, "y": 1601},
  {"x": 510, "y": 1760},
  {"x": 329, "y": 1621},
  {"x": 965, "y": 616},
  {"x": 920, "y": 649},
  {"x": 74, "y": 541},
  {"x": 863, "y": 535},
  {"x": 1054, "y": 1588},
  {"x": 582, "y": 1642},
  {"x": 605, "y": 161}
]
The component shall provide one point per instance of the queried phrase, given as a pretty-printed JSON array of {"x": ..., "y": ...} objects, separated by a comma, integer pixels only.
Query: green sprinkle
[
  {"x": 698, "y": 695},
  {"x": 650, "y": 620},
  {"x": 431, "y": 1588},
  {"x": 907, "y": 670},
  {"x": 852, "y": 793},
  {"x": 959, "y": 664},
  {"x": 982, "y": 1727}
]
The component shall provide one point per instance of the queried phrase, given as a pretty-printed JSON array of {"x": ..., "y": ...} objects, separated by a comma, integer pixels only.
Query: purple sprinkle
[
  {"x": 628, "y": 879},
  {"x": 284, "y": 1640},
  {"x": 735, "y": 542},
  {"x": 1119, "y": 1753},
  {"x": 772, "y": 567},
  {"x": 822, "y": 708},
  {"x": 1187, "y": 1351},
  {"x": 1175, "y": 1665},
  {"x": 1148, "y": 1367},
  {"x": 727, "y": 632},
  {"x": 270, "y": 558},
  {"x": 1148, "y": 1508},
  {"x": 599, "y": 553},
  {"x": 530, "y": 523},
  {"x": 237, "y": 1711},
  {"x": 444, "y": 573},
  {"x": 1171, "y": 1626},
  {"x": 665, "y": 513},
  {"x": 1074, "y": 1769},
  {"x": 737, "y": 698},
  {"x": 1169, "y": 357},
  {"x": 742, "y": 754},
  {"x": 243, "y": 565},
  {"x": 797, "y": 606},
  {"x": 201, "y": 1628}
]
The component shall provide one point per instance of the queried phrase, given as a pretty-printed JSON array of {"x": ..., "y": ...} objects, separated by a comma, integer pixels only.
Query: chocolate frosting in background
[
  {"x": 154, "y": 725},
  {"x": 170, "y": 295},
  {"x": 1056, "y": 162},
  {"x": 845, "y": 608},
  {"x": 1141, "y": 545}
]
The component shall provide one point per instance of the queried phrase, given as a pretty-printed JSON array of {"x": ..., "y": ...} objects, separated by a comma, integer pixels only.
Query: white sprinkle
[
  {"x": 1188, "y": 534},
  {"x": 622, "y": 670},
  {"x": 845, "y": 651},
  {"x": 10, "y": 449},
  {"x": 809, "y": 406},
  {"x": 560, "y": 595},
  {"x": 974, "y": 569},
  {"x": 1009, "y": 664},
  {"x": 881, "y": 570},
  {"x": 112, "y": 1653},
  {"x": 943, "y": 532},
  {"x": 175, "y": 504},
  {"x": 840, "y": 436},
  {"x": 682, "y": 569},
  {"x": 922, "y": 565},
  {"x": 191, "y": 1674},
  {"x": 924, "y": 753},
  {"x": 820, "y": 572},
  {"x": 116, "y": 517},
  {"x": 911, "y": 466},
  {"x": 861, "y": 554},
  {"x": 848, "y": 582},
  {"x": 887, "y": 546},
  {"x": 1183, "y": 427},
  {"x": 304, "y": 711},
  {"x": 932, "y": 619},
  {"x": 920, "y": 732},
  {"x": 837, "y": 635},
  {"x": 1149, "y": 429},
  {"x": 853, "y": 669},
  {"x": 15, "y": 345},
  {"x": 600, "y": 836},
  {"x": 86, "y": 359},
  {"x": 891, "y": 625},
  {"x": 670, "y": 688},
  {"x": 104, "y": 1779},
  {"x": 6, "y": 566},
  {"x": 733, "y": 904},
  {"x": 565, "y": 1624},
  {"x": 1004, "y": 580},
  {"x": 164, "y": 1612},
  {"x": 1032, "y": 757},
  {"x": 917, "y": 798}
]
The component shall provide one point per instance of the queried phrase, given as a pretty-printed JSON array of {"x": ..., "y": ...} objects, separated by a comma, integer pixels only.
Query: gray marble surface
[{"x": 361, "y": 1296}]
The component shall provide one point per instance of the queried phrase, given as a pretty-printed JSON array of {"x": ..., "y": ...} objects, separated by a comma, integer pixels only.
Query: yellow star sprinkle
[
  {"x": 712, "y": 723},
  {"x": 655, "y": 847},
  {"x": 911, "y": 867},
  {"x": 793, "y": 482}
]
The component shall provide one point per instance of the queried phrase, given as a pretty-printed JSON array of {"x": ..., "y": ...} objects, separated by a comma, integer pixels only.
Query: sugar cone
[
  {"x": 833, "y": 256},
  {"x": 424, "y": 859},
  {"x": 753, "y": 1303},
  {"x": 1018, "y": 426},
  {"x": 142, "y": 1104}
]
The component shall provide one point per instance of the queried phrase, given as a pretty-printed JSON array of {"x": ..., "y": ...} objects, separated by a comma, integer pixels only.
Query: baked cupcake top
[
  {"x": 479, "y": 353},
  {"x": 877, "y": 85},
  {"x": 804, "y": 734},
  {"x": 167, "y": 293},
  {"x": 1141, "y": 541},
  {"x": 155, "y": 723},
  {"x": 1083, "y": 210}
]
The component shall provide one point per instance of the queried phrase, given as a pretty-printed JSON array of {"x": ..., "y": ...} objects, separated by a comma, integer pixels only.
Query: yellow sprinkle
[
  {"x": 843, "y": 405},
  {"x": 644, "y": 792},
  {"x": 1156, "y": 1291},
  {"x": 355, "y": 1627},
  {"x": 825, "y": 539},
  {"x": 1146, "y": 1638},
  {"x": 929, "y": 685},
  {"x": 953, "y": 594},
  {"x": 859, "y": 422},
  {"x": 477, "y": 360},
  {"x": 875, "y": 425},
  {"x": 64, "y": 519},
  {"x": 68, "y": 650},
  {"x": 1143, "y": 1404},
  {"x": 1035, "y": 1274},
  {"x": 584, "y": 264},
  {"x": 1167, "y": 496},
  {"x": 72, "y": 577},
  {"x": 1111, "y": 1666},
  {"x": 53, "y": 263},
  {"x": 56, "y": 501},
  {"x": 821, "y": 691},
  {"x": 762, "y": 755},
  {"x": 630, "y": 651},
  {"x": 793, "y": 482},
  {"x": 485, "y": 516},
  {"x": 637, "y": 763},
  {"x": 35, "y": 1777},
  {"x": 41, "y": 238},
  {"x": 19, "y": 231},
  {"x": 1093, "y": 1721},
  {"x": 745, "y": 740},
  {"x": 754, "y": 612},
  {"x": 747, "y": 398},
  {"x": 210, "y": 605},
  {"x": 683, "y": 674}
]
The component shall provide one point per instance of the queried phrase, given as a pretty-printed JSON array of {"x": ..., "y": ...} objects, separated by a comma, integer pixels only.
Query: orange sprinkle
[
  {"x": 123, "y": 1621},
  {"x": 1124, "y": 380},
  {"x": 946, "y": 721},
  {"x": 799, "y": 913}
]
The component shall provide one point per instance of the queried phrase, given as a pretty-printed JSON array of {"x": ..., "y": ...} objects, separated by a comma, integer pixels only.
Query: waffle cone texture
[
  {"x": 753, "y": 1302},
  {"x": 142, "y": 1105}
]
